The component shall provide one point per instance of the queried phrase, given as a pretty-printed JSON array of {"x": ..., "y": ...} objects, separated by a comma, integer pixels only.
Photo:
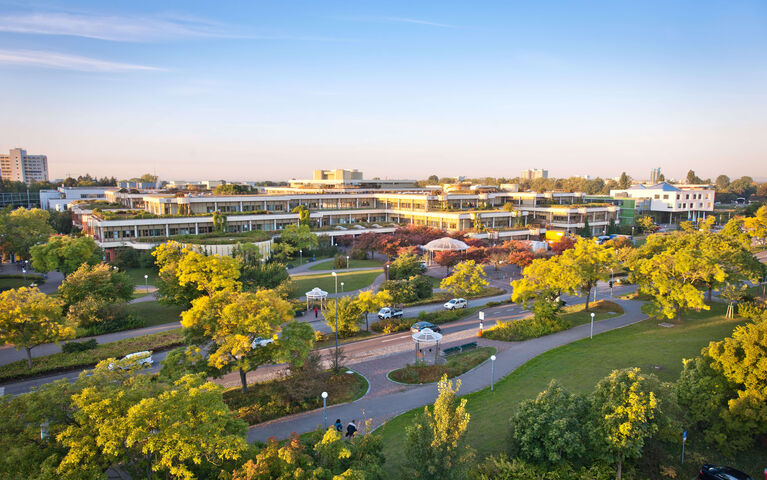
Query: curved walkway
[{"x": 382, "y": 403}]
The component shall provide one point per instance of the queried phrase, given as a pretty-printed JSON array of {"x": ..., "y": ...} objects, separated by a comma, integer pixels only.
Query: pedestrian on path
[
  {"x": 339, "y": 426},
  {"x": 315, "y": 312},
  {"x": 351, "y": 429}
]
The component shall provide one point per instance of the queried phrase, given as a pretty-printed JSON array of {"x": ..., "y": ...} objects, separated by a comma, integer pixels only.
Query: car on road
[
  {"x": 456, "y": 303},
  {"x": 261, "y": 342},
  {"x": 418, "y": 326},
  {"x": 390, "y": 312},
  {"x": 716, "y": 472},
  {"x": 136, "y": 359}
]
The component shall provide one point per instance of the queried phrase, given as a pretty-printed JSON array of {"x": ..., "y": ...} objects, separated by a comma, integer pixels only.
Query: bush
[
  {"x": 96, "y": 318},
  {"x": 71, "y": 347},
  {"x": 530, "y": 327},
  {"x": 402, "y": 324},
  {"x": 339, "y": 262},
  {"x": 415, "y": 288},
  {"x": 358, "y": 254},
  {"x": 751, "y": 310}
]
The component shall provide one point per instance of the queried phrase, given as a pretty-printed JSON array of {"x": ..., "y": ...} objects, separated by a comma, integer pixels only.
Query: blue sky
[{"x": 271, "y": 90}]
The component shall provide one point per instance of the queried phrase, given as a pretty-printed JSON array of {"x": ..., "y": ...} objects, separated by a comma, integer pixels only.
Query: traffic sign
[{"x": 481, "y": 315}]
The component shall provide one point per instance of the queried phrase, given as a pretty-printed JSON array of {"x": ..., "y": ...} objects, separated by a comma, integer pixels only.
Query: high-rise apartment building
[
  {"x": 533, "y": 174},
  {"x": 337, "y": 174},
  {"x": 17, "y": 166},
  {"x": 655, "y": 175}
]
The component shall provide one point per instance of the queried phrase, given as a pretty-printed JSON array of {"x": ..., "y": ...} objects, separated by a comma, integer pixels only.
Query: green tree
[
  {"x": 236, "y": 322},
  {"x": 29, "y": 318},
  {"x": 349, "y": 315},
  {"x": 303, "y": 214},
  {"x": 167, "y": 257},
  {"x": 99, "y": 281},
  {"x": 370, "y": 302},
  {"x": 744, "y": 186},
  {"x": 722, "y": 183},
  {"x": 550, "y": 429},
  {"x": 627, "y": 411},
  {"x": 65, "y": 254},
  {"x": 703, "y": 394},
  {"x": 692, "y": 179},
  {"x": 405, "y": 266},
  {"x": 646, "y": 224},
  {"x": 585, "y": 231},
  {"x": 756, "y": 227},
  {"x": 435, "y": 446},
  {"x": 21, "y": 229},
  {"x": 468, "y": 279},
  {"x": 299, "y": 237},
  {"x": 624, "y": 181},
  {"x": 219, "y": 222}
]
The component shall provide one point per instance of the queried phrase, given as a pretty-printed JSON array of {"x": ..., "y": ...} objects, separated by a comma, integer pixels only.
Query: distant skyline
[{"x": 271, "y": 90}]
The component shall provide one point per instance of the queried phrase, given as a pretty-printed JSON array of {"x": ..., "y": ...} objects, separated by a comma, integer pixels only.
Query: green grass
[
  {"x": 137, "y": 275},
  {"x": 602, "y": 309},
  {"x": 328, "y": 265},
  {"x": 60, "y": 362},
  {"x": 352, "y": 281},
  {"x": 9, "y": 283},
  {"x": 442, "y": 297},
  {"x": 155, "y": 313},
  {"x": 454, "y": 365},
  {"x": 578, "y": 366}
]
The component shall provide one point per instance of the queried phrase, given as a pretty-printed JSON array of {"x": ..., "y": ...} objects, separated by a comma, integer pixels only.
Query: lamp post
[
  {"x": 335, "y": 277},
  {"x": 146, "y": 283},
  {"x": 300, "y": 256},
  {"x": 325, "y": 409},
  {"x": 611, "y": 283},
  {"x": 591, "y": 335},
  {"x": 24, "y": 271},
  {"x": 492, "y": 373},
  {"x": 632, "y": 231},
  {"x": 387, "y": 271},
  {"x": 342, "y": 287},
  {"x": 347, "y": 262}
]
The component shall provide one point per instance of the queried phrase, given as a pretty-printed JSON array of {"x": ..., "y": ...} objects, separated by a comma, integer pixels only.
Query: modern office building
[
  {"x": 63, "y": 197},
  {"x": 18, "y": 166},
  {"x": 673, "y": 203},
  {"x": 340, "y": 179},
  {"x": 533, "y": 174},
  {"x": 655, "y": 176}
]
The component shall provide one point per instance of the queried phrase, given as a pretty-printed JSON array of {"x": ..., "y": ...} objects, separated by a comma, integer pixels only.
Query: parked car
[
  {"x": 418, "y": 326},
  {"x": 261, "y": 342},
  {"x": 456, "y": 303},
  {"x": 715, "y": 472},
  {"x": 136, "y": 359},
  {"x": 390, "y": 312}
]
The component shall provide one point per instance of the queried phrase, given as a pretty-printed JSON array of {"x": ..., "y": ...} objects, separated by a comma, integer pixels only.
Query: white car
[
  {"x": 261, "y": 342},
  {"x": 137, "y": 359},
  {"x": 456, "y": 303}
]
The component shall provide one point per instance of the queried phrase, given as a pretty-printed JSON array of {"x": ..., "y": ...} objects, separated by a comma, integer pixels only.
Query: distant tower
[{"x": 655, "y": 175}]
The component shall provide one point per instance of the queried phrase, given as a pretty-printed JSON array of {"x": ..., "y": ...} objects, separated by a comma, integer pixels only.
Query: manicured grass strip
[
  {"x": 277, "y": 398},
  {"x": 577, "y": 314},
  {"x": 137, "y": 275},
  {"x": 9, "y": 283},
  {"x": 442, "y": 297},
  {"x": 155, "y": 313},
  {"x": 328, "y": 265},
  {"x": 578, "y": 366},
  {"x": 454, "y": 365},
  {"x": 352, "y": 281},
  {"x": 60, "y": 362}
]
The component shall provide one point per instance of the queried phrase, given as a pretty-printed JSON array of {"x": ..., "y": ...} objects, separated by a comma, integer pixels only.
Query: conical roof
[{"x": 445, "y": 243}]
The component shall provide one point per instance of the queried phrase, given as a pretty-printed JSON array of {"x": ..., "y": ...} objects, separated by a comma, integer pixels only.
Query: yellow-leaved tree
[{"x": 468, "y": 279}]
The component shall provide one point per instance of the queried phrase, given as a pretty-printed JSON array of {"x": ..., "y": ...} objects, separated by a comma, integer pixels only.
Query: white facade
[
  {"x": 17, "y": 166},
  {"x": 532, "y": 174},
  {"x": 675, "y": 202},
  {"x": 61, "y": 198}
]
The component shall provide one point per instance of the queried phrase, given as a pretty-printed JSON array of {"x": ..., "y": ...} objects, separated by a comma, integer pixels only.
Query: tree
[
  {"x": 627, "y": 411},
  {"x": 564, "y": 243},
  {"x": 61, "y": 222},
  {"x": 550, "y": 429},
  {"x": 405, "y": 266},
  {"x": 756, "y": 226},
  {"x": 587, "y": 263},
  {"x": 692, "y": 179},
  {"x": 433, "y": 179},
  {"x": 435, "y": 446},
  {"x": 370, "y": 302},
  {"x": 349, "y": 315},
  {"x": 100, "y": 281},
  {"x": 299, "y": 236},
  {"x": 744, "y": 186},
  {"x": 646, "y": 224},
  {"x": 65, "y": 254},
  {"x": 21, "y": 229},
  {"x": 303, "y": 215},
  {"x": 29, "y": 318},
  {"x": 170, "y": 291},
  {"x": 468, "y": 279},
  {"x": 722, "y": 183},
  {"x": 447, "y": 259},
  {"x": 219, "y": 222},
  {"x": 235, "y": 322},
  {"x": 624, "y": 181},
  {"x": 585, "y": 231}
]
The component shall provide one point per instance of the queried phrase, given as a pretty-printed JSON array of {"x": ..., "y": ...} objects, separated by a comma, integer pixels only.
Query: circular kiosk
[
  {"x": 427, "y": 346},
  {"x": 316, "y": 294}
]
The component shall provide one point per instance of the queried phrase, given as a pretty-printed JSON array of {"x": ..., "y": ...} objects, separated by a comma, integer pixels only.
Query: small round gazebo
[
  {"x": 315, "y": 294},
  {"x": 444, "y": 244},
  {"x": 426, "y": 337}
]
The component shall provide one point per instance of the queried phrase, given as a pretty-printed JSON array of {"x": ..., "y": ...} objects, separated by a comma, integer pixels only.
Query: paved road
[{"x": 380, "y": 407}]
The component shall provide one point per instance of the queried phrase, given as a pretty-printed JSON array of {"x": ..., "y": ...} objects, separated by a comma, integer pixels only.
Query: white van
[{"x": 136, "y": 359}]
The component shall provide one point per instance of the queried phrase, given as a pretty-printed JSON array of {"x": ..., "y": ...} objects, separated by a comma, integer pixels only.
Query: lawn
[
  {"x": 602, "y": 309},
  {"x": 155, "y": 313},
  {"x": 352, "y": 281},
  {"x": 285, "y": 396},
  {"x": 579, "y": 366},
  {"x": 9, "y": 283},
  {"x": 328, "y": 265},
  {"x": 454, "y": 365},
  {"x": 137, "y": 275}
]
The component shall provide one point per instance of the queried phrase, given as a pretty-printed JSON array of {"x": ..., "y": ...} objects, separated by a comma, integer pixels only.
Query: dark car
[
  {"x": 715, "y": 472},
  {"x": 418, "y": 326}
]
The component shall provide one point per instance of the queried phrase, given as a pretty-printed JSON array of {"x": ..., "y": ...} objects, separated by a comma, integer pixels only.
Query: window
[
  {"x": 665, "y": 197},
  {"x": 687, "y": 197},
  {"x": 684, "y": 205}
]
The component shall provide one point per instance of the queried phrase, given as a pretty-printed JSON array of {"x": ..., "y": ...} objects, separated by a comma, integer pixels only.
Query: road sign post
[{"x": 684, "y": 439}]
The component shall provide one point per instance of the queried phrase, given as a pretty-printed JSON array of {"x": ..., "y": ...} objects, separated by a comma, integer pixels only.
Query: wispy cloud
[
  {"x": 383, "y": 19},
  {"x": 132, "y": 28},
  {"x": 62, "y": 61}
]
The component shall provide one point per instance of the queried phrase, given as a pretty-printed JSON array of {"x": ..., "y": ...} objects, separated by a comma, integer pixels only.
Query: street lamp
[
  {"x": 335, "y": 277},
  {"x": 342, "y": 287},
  {"x": 300, "y": 256},
  {"x": 632, "y": 231},
  {"x": 492, "y": 373},
  {"x": 146, "y": 283},
  {"x": 24, "y": 271},
  {"x": 387, "y": 271},
  {"x": 611, "y": 283},
  {"x": 325, "y": 408},
  {"x": 347, "y": 261},
  {"x": 591, "y": 335}
]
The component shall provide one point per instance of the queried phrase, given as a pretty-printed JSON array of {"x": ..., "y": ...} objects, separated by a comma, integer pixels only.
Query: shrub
[
  {"x": 751, "y": 310},
  {"x": 530, "y": 327},
  {"x": 339, "y": 262},
  {"x": 71, "y": 347},
  {"x": 358, "y": 254}
]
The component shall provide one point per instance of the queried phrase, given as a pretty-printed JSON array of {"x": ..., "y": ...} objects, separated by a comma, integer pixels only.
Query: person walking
[
  {"x": 351, "y": 429},
  {"x": 315, "y": 312},
  {"x": 339, "y": 426}
]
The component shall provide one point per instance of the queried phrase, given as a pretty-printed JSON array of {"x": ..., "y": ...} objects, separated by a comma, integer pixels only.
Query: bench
[{"x": 459, "y": 349}]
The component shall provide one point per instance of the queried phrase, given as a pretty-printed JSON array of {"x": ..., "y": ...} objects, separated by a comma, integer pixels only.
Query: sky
[{"x": 258, "y": 90}]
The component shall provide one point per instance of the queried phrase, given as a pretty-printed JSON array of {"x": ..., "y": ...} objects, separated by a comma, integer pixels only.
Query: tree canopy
[
  {"x": 21, "y": 229},
  {"x": 65, "y": 254}
]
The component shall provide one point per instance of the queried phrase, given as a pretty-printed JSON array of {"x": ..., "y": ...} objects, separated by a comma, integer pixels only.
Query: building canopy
[{"x": 445, "y": 244}]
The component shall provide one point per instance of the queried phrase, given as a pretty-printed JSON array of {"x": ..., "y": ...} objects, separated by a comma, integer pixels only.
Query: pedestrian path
[{"x": 396, "y": 400}]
